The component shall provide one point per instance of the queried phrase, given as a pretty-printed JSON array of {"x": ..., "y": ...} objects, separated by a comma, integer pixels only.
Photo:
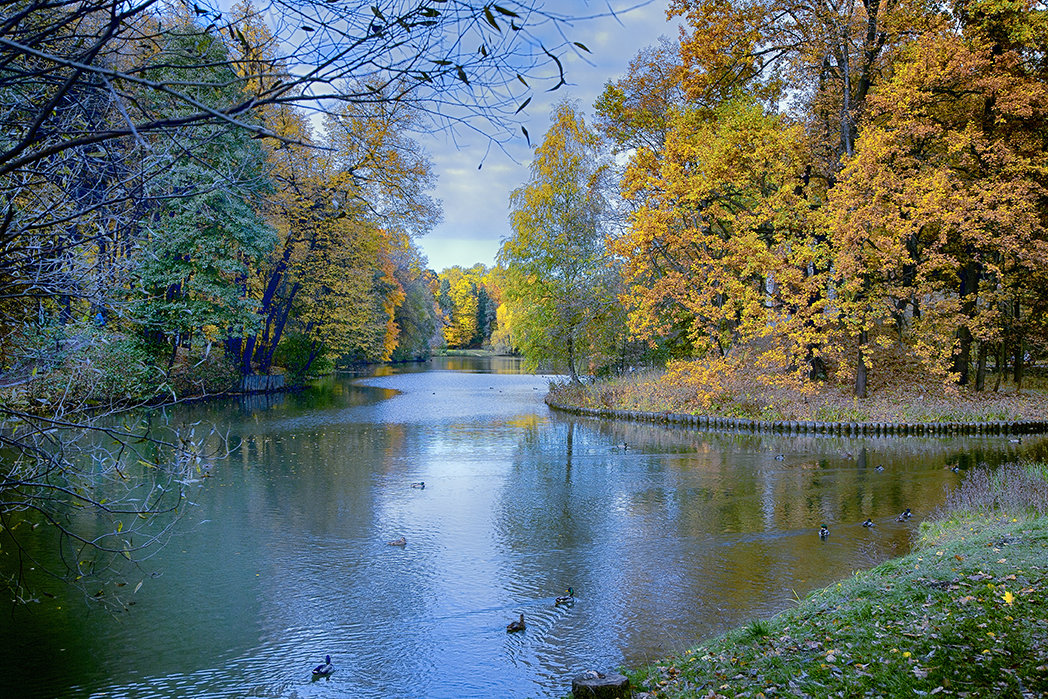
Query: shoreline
[
  {"x": 794, "y": 427},
  {"x": 965, "y": 613}
]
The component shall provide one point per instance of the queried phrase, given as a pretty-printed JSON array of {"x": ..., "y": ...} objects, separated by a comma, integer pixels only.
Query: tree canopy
[{"x": 816, "y": 185}]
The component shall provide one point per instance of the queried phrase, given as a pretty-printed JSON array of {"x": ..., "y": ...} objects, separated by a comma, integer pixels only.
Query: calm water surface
[{"x": 283, "y": 557}]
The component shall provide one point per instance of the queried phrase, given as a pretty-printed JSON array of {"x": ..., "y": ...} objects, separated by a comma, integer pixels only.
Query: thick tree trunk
[
  {"x": 571, "y": 360},
  {"x": 817, "y": 370},
  {"x": 597, "y": 685},
  {"x": 860, "y": 367}
]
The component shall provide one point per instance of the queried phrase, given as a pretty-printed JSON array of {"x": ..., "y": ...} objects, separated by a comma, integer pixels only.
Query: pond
[{"x": 667, "y": 536}]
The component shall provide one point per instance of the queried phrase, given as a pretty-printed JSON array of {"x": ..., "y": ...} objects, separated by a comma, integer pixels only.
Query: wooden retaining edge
[{"x": 847, "y": 429}]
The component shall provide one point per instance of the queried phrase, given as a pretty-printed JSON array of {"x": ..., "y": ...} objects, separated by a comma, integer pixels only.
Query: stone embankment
[{"x": 788, "y": 427}]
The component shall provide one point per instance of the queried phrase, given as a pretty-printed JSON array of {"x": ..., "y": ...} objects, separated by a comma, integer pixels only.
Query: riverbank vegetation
[
  {"x": 813, "y": 206},
  {"x": 965, "y": 614}
]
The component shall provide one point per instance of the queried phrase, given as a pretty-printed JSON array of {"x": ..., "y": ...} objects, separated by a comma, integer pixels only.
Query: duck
[
  {"x": 399, "y": 542},
  {"x": 904, "y": 516},
  {"x": 516, "y": 625},
  {"x": 324, "y": 669},
  {"x": 419, "y": 484},
  {"x": 868, "y": 523},
  {"x": 780, "y": 457},
  {"x": 823, "y": 532},
  {"x": 879, "y": 468},
  {"x": 567, "y": 600}
]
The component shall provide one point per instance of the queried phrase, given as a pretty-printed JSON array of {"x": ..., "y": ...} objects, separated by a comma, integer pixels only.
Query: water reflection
[{"x": 284, "y": 556}]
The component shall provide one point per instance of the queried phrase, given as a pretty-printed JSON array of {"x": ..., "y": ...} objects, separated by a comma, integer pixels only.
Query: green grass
[{"x": 966, "y": 614}]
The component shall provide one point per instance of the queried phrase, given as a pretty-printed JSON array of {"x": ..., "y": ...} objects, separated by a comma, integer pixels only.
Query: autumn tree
[
  {"x": 561, "y": 284},
  {"x": 469, "y": 299},
  {"x": 719, "y": 243},
  {"x": 938, "y": 221},
  {"x": 330, "y": 285}
]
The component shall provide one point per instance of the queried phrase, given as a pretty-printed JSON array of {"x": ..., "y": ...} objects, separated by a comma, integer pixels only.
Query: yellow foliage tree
[{"x": 721, "y": 241}]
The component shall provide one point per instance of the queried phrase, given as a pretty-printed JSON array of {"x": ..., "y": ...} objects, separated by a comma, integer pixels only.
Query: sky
[{"x": 476, "y": 202}]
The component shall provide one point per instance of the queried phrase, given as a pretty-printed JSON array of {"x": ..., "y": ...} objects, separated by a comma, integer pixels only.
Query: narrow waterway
[{"x": 666, "y": 535}]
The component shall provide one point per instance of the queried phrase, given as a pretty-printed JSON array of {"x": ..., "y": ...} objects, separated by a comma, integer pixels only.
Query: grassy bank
[
  {"x": 966, "y": 614},
  {"x": 901, "y": 396}
]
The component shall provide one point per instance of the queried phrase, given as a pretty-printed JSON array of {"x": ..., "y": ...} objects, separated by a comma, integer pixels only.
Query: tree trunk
[
  {"x": 999, "y": 364},
  {"x": 817, "y": 370},
  {"x": 1017, "y": 375},
  {"x": 1017, "y": 366},
  {"x": 860, "y": 367},
  {"x": 969, "y": 275},
  {"x": 65, "y": 309},
  {"x": 281, "y": 313},
  {"x": 980, "y": 368},
  {"x": 571, "y": 360},
  {"x": 600, "y": 686}
]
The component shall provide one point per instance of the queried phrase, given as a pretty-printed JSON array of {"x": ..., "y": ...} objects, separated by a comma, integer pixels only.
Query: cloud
[{"x": 476, "y": 201}]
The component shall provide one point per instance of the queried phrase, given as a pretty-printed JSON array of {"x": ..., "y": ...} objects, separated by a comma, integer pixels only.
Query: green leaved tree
[{"x": 561, "y": 284}]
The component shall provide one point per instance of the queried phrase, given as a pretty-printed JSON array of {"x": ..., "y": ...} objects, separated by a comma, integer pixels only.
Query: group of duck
[
  {"x": 903, "y": 517},
  {"x": 567, "y": 600},
  {"x": 326, "y": 669}
]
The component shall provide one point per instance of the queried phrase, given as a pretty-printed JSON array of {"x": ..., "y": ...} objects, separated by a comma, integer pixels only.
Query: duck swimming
[
  {"x": 567, "y": 600},
  {"x": 420, "y": 484},
  {"x": 904, "y": 516},
  {"x": 516, "y": 625},
  {"x": 823, "y": 532},
  {"x": 402, "y": 541},
  {"x": 868, "y": 523},
  {"x": 324, "y": 669}
]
